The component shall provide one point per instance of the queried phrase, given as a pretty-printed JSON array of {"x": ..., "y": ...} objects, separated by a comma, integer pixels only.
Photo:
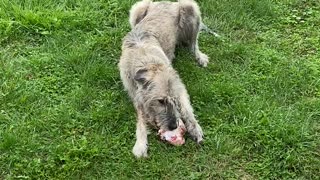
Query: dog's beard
[{"x": 163, "y": 114}]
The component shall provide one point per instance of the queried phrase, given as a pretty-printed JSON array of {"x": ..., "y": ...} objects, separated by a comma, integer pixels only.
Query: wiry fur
[{"x": 158, "y": 94}]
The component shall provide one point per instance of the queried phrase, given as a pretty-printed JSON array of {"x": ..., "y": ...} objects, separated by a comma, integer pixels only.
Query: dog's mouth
[
  {"x": 163, "y": 113},
  {"x": 167, "y": 125}
]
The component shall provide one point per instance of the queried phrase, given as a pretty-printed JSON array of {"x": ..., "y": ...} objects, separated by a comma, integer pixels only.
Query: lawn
[{"x": 64, "y": 113}]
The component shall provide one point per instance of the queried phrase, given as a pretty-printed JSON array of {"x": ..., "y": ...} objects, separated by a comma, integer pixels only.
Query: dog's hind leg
[
  {"x": 138, "y": 12},
  {"x": 187, "y": 116},
  {"x": 189, "y": 28},
  {"x": 202, "y": 58},
  {"x": 141, "y": 146}
]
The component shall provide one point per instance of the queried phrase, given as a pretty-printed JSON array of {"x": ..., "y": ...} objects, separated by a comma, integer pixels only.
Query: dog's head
[{"x": 158, "y": 92}]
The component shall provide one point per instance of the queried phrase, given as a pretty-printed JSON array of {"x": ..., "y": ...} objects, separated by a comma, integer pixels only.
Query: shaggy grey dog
[{"x": 159, "y": 96}]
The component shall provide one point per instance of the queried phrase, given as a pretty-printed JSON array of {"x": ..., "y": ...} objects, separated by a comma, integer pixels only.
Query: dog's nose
[{"x": 172, "y": 125}]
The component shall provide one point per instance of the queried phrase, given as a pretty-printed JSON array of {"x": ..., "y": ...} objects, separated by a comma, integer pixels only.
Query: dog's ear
[
  {"x": 141, "y": 76},
  {"x": 146, "y": 74}
]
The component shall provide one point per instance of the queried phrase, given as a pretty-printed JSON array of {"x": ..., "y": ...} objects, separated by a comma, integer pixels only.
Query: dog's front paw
[
  {"x": 203, "y": 59},
  {"x": 140, "y": 149},
  {"x": 196, "y": 133}
]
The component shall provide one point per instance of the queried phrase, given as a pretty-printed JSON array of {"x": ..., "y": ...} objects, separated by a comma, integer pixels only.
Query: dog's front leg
[
  {"x": 192, "y": 125},
  {"x": 141, "y": 146}
]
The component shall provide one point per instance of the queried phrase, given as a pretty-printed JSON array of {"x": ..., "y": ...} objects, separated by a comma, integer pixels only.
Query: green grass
[{"x": 64, "y": 114}]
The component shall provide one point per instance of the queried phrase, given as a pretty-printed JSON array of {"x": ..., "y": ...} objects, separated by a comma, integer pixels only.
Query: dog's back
[
  {"x": 172, "y": 22},
  {"x": 160, "y": 19}
]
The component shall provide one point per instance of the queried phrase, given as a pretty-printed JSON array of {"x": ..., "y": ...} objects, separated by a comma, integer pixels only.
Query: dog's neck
[{"x": 138, "y": 37}]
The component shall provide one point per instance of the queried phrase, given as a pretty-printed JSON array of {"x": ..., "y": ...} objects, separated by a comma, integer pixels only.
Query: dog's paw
[
  {"x": 140, "y": 150},
  {"x": 203, "y": 59},
  {"x": 196, "y": 133}
]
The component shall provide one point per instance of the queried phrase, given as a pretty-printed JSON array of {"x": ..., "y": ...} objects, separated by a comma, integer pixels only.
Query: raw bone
[{"x": 174, "y": 137}]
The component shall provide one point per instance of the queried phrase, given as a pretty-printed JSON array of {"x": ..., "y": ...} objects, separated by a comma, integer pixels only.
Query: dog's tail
[{"x": 138, "y": 12}]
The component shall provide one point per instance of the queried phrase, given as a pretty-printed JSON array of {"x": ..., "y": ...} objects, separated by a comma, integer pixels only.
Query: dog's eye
[{"x": 161, "y": 101}]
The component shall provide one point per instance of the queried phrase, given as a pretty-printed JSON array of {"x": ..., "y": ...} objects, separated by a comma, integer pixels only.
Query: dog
[{"x": 158, "y": 94}]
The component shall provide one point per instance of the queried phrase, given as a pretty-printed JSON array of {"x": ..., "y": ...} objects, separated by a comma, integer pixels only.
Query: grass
[{"x": 64, "y": 114}]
